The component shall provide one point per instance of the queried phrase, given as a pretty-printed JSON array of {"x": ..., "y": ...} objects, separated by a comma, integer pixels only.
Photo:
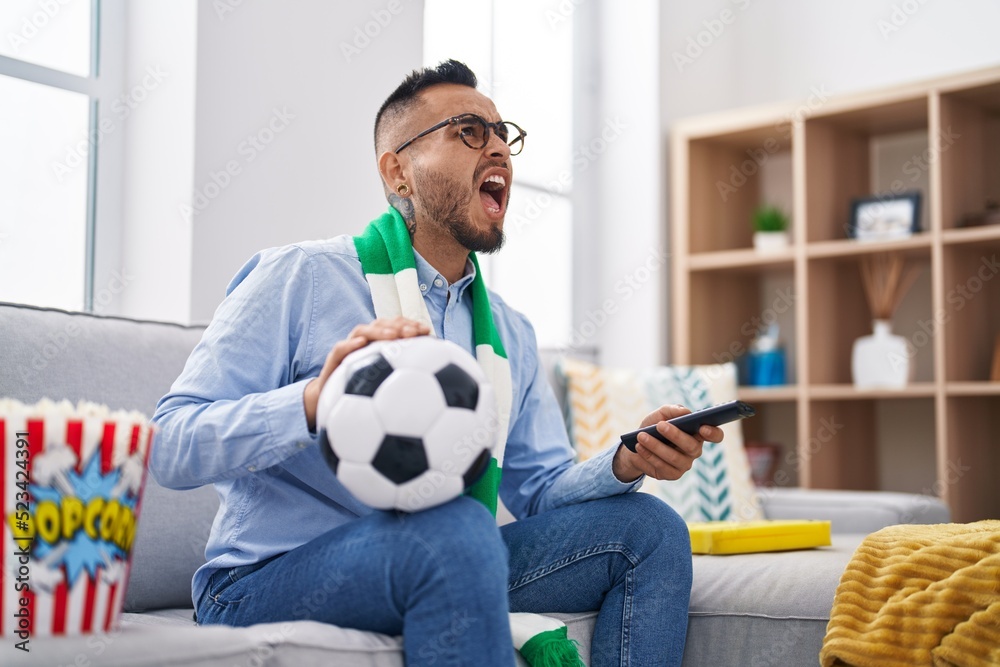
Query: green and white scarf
[{"x": 387, "y": 260}]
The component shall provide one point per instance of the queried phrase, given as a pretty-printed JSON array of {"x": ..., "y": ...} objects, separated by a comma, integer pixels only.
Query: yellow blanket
[{"x": 919, "y": 595}]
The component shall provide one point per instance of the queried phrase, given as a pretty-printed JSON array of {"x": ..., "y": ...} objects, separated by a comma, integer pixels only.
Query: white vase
[
  {"x": 880, "y": 361},
  {"x": 770, "y": 241}
]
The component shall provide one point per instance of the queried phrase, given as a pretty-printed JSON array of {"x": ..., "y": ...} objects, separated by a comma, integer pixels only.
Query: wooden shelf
[
  {"x": 740, "y": 259},
  {"x": 725, "y": 166},
  {"x": 778, "y": 393},
  {"x": 983, "y": 234},
  {"x": 916, "y": 245},
  {"x": 972, "y": 388},
  {"x": 849, "y": 392}
]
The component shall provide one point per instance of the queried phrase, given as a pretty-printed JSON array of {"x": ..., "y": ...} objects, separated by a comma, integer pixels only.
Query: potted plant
[{"x": 770, "y": 226}]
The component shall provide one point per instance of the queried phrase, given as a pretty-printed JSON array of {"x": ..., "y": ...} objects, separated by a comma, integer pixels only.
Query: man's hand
[
  {"x": 658, "y": 459},
  {"x": 361, "y": 335}
]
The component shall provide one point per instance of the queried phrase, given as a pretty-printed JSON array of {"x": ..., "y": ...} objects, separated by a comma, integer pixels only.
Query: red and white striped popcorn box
[{"x": 71, "y": 480}]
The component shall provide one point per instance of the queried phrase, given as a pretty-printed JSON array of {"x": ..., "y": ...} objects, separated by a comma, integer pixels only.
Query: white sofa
[{"x": 757, "y": 609}]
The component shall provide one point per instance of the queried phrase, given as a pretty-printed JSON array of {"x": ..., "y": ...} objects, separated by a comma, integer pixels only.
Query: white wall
[
  {"x": 619, "y": 268},
  {"x": 156, "y": 121},
  {"x": 277, "y": 71},
  {"x": 777, "y": 50},
  {"x": 229, "y": 70},
  {"x": 258, "y": 134},
  {"x": 784, "y": 50}
]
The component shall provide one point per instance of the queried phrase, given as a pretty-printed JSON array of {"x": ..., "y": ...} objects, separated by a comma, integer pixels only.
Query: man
[{"x": 291, "y": 543}]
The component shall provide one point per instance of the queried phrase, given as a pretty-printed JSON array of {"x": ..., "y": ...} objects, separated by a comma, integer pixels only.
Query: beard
[{"x": 443, "y": 205}]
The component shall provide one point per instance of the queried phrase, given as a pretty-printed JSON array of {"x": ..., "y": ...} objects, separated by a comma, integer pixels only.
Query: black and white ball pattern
[{"x": 407, "y": 424}]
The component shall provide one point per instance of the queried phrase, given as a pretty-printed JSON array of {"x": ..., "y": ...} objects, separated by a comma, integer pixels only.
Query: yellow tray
[{"x": 732, "y": 537}]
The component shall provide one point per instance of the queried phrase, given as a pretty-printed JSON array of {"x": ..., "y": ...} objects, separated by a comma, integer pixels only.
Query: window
[
  {"x": 533, "y": 272},
  {"x": 50, "y": 92}
]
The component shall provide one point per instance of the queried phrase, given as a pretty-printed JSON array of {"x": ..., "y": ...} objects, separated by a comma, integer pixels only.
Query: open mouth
[{"x": 493, "y": 193}]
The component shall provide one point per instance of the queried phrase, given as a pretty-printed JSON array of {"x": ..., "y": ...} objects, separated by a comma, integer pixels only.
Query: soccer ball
[{"x": 407, "y": 424}]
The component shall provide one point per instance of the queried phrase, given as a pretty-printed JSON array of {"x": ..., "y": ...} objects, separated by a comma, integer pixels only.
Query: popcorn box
[{"x": 70, "y": 481}]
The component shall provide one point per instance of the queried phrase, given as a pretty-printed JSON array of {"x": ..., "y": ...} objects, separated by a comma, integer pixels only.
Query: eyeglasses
[{"x": 475, "y": 132}]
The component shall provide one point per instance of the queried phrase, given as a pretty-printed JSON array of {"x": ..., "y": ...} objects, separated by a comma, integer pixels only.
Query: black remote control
[{"x": 716, "y": 415}]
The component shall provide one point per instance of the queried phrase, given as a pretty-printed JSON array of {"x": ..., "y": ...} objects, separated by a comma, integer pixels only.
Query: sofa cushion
[
  {"x": 168, "y": 638},
  {"x": 853, "y": 511},
  {"x": 603, "y": 403},
  {"x": 122, "y": 363},
  {"x": 748, "y": 609},
  {"x": 764, "y": 608},
  {"x": 169, "y": 546}
]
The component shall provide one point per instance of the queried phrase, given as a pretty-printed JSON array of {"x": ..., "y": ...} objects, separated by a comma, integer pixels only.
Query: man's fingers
[
  {"x": 387, "y": 329},
  {"x": 361, "y": 335},
  {"x": 664, "y": 413},
  {"x": 662, "y": 461},
  {"x": 661, "y": 464},
  {"x": 670, "y": 455},
  {"x": 345, "y": 347},
  {"x": 711, "y": 433},
  {"x": 686, "y": 443},
  {"x": 670, "y": 411}
]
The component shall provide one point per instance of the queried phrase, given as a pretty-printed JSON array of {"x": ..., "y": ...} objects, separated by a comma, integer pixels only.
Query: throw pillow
[{"x": 602, "y": 403}]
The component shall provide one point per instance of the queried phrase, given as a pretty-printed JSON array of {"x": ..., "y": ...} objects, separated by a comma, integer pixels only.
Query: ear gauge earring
[{"x": 403, "y": 189}]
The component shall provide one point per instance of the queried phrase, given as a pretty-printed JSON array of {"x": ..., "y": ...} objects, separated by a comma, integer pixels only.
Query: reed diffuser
[
  {"x": 886, "y": 280},
  {"x": 882, "y": 360}
]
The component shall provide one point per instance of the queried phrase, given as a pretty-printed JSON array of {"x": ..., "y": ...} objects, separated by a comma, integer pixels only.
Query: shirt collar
[{"x": 428, "y": 276}]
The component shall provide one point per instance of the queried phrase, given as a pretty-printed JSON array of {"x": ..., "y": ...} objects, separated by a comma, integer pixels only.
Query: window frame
[
  {"x": 533, "y": 187},
  {"x": 104, "y": 172}
]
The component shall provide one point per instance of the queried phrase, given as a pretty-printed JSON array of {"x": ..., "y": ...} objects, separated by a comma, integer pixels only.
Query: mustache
[{"x": 488, "y": 165}]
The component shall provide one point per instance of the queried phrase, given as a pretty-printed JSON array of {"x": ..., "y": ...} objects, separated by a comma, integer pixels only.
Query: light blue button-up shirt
[{"x": 235, "y": 416}]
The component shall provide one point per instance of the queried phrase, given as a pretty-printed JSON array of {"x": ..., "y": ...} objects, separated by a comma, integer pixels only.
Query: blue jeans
[{"x": 445, "y": 578}]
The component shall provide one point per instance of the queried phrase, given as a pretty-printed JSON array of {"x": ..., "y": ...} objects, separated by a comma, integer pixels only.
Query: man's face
[{"x": 455, "y": 186}]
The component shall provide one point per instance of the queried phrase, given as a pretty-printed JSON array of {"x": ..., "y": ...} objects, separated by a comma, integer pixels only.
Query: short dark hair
[{"x": 405, "y": 96}]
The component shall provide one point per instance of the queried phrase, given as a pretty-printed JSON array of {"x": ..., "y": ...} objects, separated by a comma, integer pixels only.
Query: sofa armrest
[{"x": 853, "y": 511}]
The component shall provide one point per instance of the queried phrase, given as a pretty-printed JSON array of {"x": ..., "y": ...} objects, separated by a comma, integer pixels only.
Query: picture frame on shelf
[{"x": 885, "y": 217}]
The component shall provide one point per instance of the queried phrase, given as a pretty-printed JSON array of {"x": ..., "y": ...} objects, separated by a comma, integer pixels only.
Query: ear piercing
[{"x": 403, "y": 189}]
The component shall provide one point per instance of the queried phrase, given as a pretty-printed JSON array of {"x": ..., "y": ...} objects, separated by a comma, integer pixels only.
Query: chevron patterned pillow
[{"x": 603, "y": 403}]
